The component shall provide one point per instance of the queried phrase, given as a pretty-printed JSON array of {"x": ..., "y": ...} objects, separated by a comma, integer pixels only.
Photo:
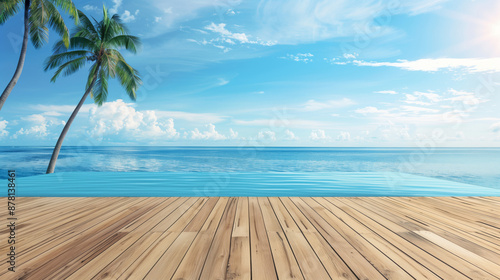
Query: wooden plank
[
  {"x": 413, "y": 268},
  {"x": 255, "y": 238},
  {"x": 262, "y": 259},
  {"x": 239, "y": 263},
  {"x": 217, "y": 259},
  {"x": 358, "y": 264},
  {"x": 98, "y": 263},
  {"x": 332, "y": 262},
  {"x": 286, "y": 263},
  {"x": 392, "y": 233},
  {"x": 194, "y": 259},
  {"x": 308, "y": 261},
  {"x": 379, "y": 260}
]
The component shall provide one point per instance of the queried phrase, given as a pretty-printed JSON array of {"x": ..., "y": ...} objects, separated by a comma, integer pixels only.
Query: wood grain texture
[{"x": 256, "y": 238}]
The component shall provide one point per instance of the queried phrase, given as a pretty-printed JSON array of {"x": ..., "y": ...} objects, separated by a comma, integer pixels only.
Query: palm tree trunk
[
  {"x": 57, "y": 148},
  {"x": 20, "y": 63}
]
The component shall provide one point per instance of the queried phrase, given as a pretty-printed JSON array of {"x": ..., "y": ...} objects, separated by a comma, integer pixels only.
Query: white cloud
[
  {"x": 209, "y": 134},
  {"x": 302, "y": 57},
  {"x": 289, "y": 135},
  {"x": 464, "y": 97},
  {"x": 302, "y": 21},
  {"x": 471, "y": 65},
  {"x": 57, "y": 110},
  {"x": 222, "y": 82},
  {"x": 350, "y": 55},
  {"x": 91, "y": 8},
  {"x": 370, "y": 110},
  {"x": 120, "y": 118},
  {"x": 386, "y": 92},
  {"x": 199, "y": 118},
  {"x": 158, "y": 19},
  {"x": 391, "y": 132},
  {"x": 422, "y": 98},
  {"x": 38, "y": 126},
  {"x": 3, "y": 130},
  {"x": 266, "y": 135},
  {"x": 227, "y": 37},
  {"x": 344, "y": 136},
  {"x": 313, "y": 105},
  {"x": 127, "y": 16},
  {"x": 415, "y": 109},
  {"x": 221, "y": 29},
  {"x": 319, "y": 135},
  {"x": 117, "y": 4},
  {"x": 233, "y": 134}
]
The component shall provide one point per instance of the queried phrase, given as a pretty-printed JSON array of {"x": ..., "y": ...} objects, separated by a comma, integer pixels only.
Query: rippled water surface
[{"x": 477, "y": 166}]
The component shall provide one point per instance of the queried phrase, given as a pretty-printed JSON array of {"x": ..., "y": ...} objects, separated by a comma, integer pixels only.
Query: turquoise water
[
  {"x": 233, "y": 171},
  {"x": 344, "y": 184},
  {"x": 476, "y": 166}
]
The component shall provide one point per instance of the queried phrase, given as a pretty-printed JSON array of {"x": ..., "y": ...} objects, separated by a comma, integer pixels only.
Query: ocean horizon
[{"x": 476, "y": 166}]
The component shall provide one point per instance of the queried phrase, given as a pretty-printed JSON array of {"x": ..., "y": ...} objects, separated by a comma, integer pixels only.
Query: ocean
[{"x": 477, "y": 166}]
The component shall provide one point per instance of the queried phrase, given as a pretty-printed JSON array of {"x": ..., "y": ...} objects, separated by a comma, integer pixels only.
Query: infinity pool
[{"x": 142, "y": 184}]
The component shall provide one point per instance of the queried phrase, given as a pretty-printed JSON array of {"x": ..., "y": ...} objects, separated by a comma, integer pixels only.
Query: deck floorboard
[{"x": 256, "y": 238}]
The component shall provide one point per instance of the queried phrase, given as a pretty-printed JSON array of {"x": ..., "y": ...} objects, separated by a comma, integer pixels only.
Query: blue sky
[{"x": 265, "y": 73}]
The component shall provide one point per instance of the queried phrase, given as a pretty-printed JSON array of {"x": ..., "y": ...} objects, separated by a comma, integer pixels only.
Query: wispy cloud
[
  {"x": 386, "y": 92},
  {"x": 116, "y": 6},
  {"x": 302, "y": 57},
  {"x": 311, "y": 21},
  {"x": 192, "y": 117},
  {"x": 226, "y": 38},
  {"x": 313, "y": 105},
  {"x": 471, "y": 65},
  {"x": 282, "y": 123},
  {"x": 90, "y": 8}
]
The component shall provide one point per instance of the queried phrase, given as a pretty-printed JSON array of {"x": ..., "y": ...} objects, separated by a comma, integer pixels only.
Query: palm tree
[
  {"x": 37, "y": 15},
  {"x": 98, "y": 43}
]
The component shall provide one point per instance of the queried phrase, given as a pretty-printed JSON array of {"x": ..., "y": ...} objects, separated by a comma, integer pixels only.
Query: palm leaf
[
  {"x": 57, "y": 59},
  {"x": 56, "y": 22},
  {"x": 130, "y": 43},
  {"x": 101, "y": 88},
  {"x": 9, "y": 8},
  {"x": 69, "y": 67}
]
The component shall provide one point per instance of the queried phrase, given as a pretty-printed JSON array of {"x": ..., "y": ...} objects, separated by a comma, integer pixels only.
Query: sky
[{"x": 368, "y": 73}]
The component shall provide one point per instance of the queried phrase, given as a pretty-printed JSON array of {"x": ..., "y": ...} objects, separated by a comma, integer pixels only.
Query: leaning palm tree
[
  {"x": 98, "y": 43},
  {"x": 38, "y": 14}
]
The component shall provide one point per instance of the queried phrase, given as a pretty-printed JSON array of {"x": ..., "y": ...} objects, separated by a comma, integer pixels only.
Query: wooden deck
[{"x": 255, "y": 238}]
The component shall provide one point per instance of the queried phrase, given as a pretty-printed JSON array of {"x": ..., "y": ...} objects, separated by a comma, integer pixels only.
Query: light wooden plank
[{"x": 262, "y": 259}]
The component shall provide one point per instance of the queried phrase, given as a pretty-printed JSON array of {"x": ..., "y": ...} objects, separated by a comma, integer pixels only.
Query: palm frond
[
  {"x": 129, "y": 78},
  {"x": 129, "y": 42},
  {"x": 56, "y": 22},
  {"x": 55, "y": 60},
  {"x": 86, "y": 24},
  {"x": 39, "y": 33},
  {"x": 101, "y": 88},
  {"x": 69, "y": 67},
  {"x": 76, "y": 43},
  {"x": 9, "y": 8},
  {"x": 97, "y": 41},
  {"x": 92, "y": 75},
  {"x": 69, "y": 7}
]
